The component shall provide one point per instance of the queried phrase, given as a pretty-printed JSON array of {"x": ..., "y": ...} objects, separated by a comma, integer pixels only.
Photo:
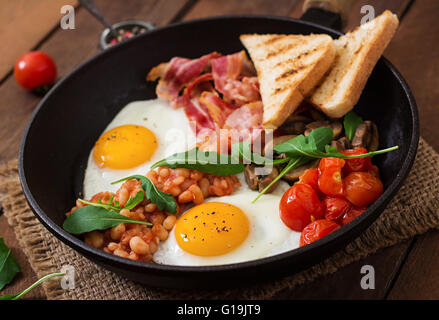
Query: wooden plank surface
[
  {"x": 417, "y": 39},
  {"x": 69, "y": 48},
  {"x": 23, "y": 24}
]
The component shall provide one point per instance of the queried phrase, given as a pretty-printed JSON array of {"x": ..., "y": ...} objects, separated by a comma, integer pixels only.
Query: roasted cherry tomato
[
  {"x": 362, "y": 188},
  {"x": 317, "y": 230},
  {"x": 34, "y": 70},
  {"x": 311, "y": 177},
  {"x": 330, "y": 180},
  {"x": 375, "y": 171},
  {"x": 299, "y": 206},
  {"x": 351, "y": 215},
  {"x": 356, "y": 164},
  {"x": 331, "y": 162},
  {"x": 335, "y": 208}
]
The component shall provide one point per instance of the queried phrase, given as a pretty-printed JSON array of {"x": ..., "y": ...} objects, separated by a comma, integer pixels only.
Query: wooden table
[{"x": 408, "y": 270}]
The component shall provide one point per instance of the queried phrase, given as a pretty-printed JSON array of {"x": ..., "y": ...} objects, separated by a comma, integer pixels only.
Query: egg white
[
  {"x": 268, "y": 235},
  {"x": 170, "y": 126}
]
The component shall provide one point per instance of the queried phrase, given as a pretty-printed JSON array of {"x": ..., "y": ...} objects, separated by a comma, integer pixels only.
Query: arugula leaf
[
  {"x": 106, "y": 206},
  {"x": 164, "y": 201},
  {"x": 133, "y": 202},
  {"x": 351, "y": 121},
  {"x": 8, "y": 265},
  {"x": 306, "y": 146},
  {"x": 205, "y": 161},
  {"x": 19, "y": 295},
  {"x": 91, "y": 218}
]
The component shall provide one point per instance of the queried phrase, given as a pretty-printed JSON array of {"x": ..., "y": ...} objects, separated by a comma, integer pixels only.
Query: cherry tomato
[
  {"x": 330, "y": 180},
  {"x": 356, "y": 164},
  {"x": 34, "y": 69},
  {"x": 335, "y": 208},
  {"x": 299, "y": 206},
  {"x": 331, "y": 162},
  {"x": 351, "y": 215},
  {"x": 311, "y": 177},
  {"x": 362, "y": 188},
  {"x": 375, "y": 171},
  {"x": 317, "y": 230}
]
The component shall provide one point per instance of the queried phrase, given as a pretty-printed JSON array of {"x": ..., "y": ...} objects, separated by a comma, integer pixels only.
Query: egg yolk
[
  {"x": 124, "y": 147},
  {"x": 211, "y": 229}
]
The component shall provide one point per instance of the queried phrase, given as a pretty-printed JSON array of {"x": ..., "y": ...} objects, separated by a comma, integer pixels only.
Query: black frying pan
[{"x": 71, "y": 117}]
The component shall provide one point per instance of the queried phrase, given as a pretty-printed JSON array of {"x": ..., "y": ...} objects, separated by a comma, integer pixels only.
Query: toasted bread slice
[
  {"x": 288, "y": 67},
  {"x": 357, "y": 52}
]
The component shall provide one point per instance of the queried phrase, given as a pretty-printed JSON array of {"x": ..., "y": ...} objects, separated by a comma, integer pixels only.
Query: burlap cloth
[{"x": 414, "y": 210}]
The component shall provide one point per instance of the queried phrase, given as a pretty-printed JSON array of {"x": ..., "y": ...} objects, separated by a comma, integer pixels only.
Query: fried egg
[
  {"x": 141, "y": 134},
  {"x": 229, "y": 229}
]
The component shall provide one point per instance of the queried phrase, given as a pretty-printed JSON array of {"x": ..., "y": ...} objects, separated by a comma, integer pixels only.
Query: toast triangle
[
  {"x": 357, "y": 52},
  {"x": 288, "y": 68}
]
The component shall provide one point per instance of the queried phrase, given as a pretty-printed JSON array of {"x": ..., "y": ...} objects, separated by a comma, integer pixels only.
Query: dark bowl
[{"x": 67, "y": 122}]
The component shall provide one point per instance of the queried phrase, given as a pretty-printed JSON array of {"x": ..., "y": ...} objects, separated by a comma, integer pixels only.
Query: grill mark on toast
[
  {"x": 290, "y": 72},
  {"x": 281, "y": 50}
]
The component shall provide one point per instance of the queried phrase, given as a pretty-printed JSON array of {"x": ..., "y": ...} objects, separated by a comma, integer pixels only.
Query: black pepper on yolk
[
  {"x": 211, "y": 229},
  {"x": 124, "y": 147}
]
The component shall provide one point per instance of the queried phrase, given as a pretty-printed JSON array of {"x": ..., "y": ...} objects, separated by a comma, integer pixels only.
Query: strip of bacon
[
  {"x": 234, "y": 77},
  {"x": 244, "y": 121},
  {"x": 178, "y": 73},
  {"x": 197, "y": 113},
  {"x": 219, "y": 109}
]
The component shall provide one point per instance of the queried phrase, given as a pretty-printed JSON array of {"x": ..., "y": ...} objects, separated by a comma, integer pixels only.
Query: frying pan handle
[{"x": 330, "y": 13}]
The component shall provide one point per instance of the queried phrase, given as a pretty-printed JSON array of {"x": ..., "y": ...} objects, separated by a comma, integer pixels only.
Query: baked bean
[
  {"x": 183, "y": 172},
  {"x": 160, "y": 232},
  {"x": 157, "y": 218},
  {"x": 117, "y": 231},
  {"x": 125, "y": 212},
  {"x": 153, "y": 247},
  {"x": 152, "y": 175},
  {"x": 121, "y": 253},
  {"x": 95, "y": 239},
  {"x": 112, "y": 246},
  {"x": 175, "y": 191},
  {"x": 186, "y": 184},
  {"x": 124, "y": 195},
  {"x": 179, "y": 180},
  {"x": 196, "y": 175},
  {"x": 204, "y": 186},
  {"x": 197, "y": 193},
  {"x": 169, "y": 222},
  {"x": 139, "y": 246},
  {"x": 150, "y": 207},
  {"x": 186, "y": 196},
  {"x": 164, "y": 172},
  {"x": 133, "y": 256}
]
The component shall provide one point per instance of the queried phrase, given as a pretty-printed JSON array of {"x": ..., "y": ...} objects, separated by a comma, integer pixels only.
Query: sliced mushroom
[
  {"x": 251, "y": 177},
  {"x": 316, "y": 114},
  {"x": 293, "y": 127},
  {"x": 294, "y": 174},
  {"x": 336, "y": 127},
  {"x": 342, "y": 144},
  {"x": 297, "y": 118},
  {"x": 257, "y": 182},
  {"x": 362, "y": 135},
  {"x": 374, "y": 142},
  {"x": 268, "y": 149},
  {"x": 266, "y": 180}
]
